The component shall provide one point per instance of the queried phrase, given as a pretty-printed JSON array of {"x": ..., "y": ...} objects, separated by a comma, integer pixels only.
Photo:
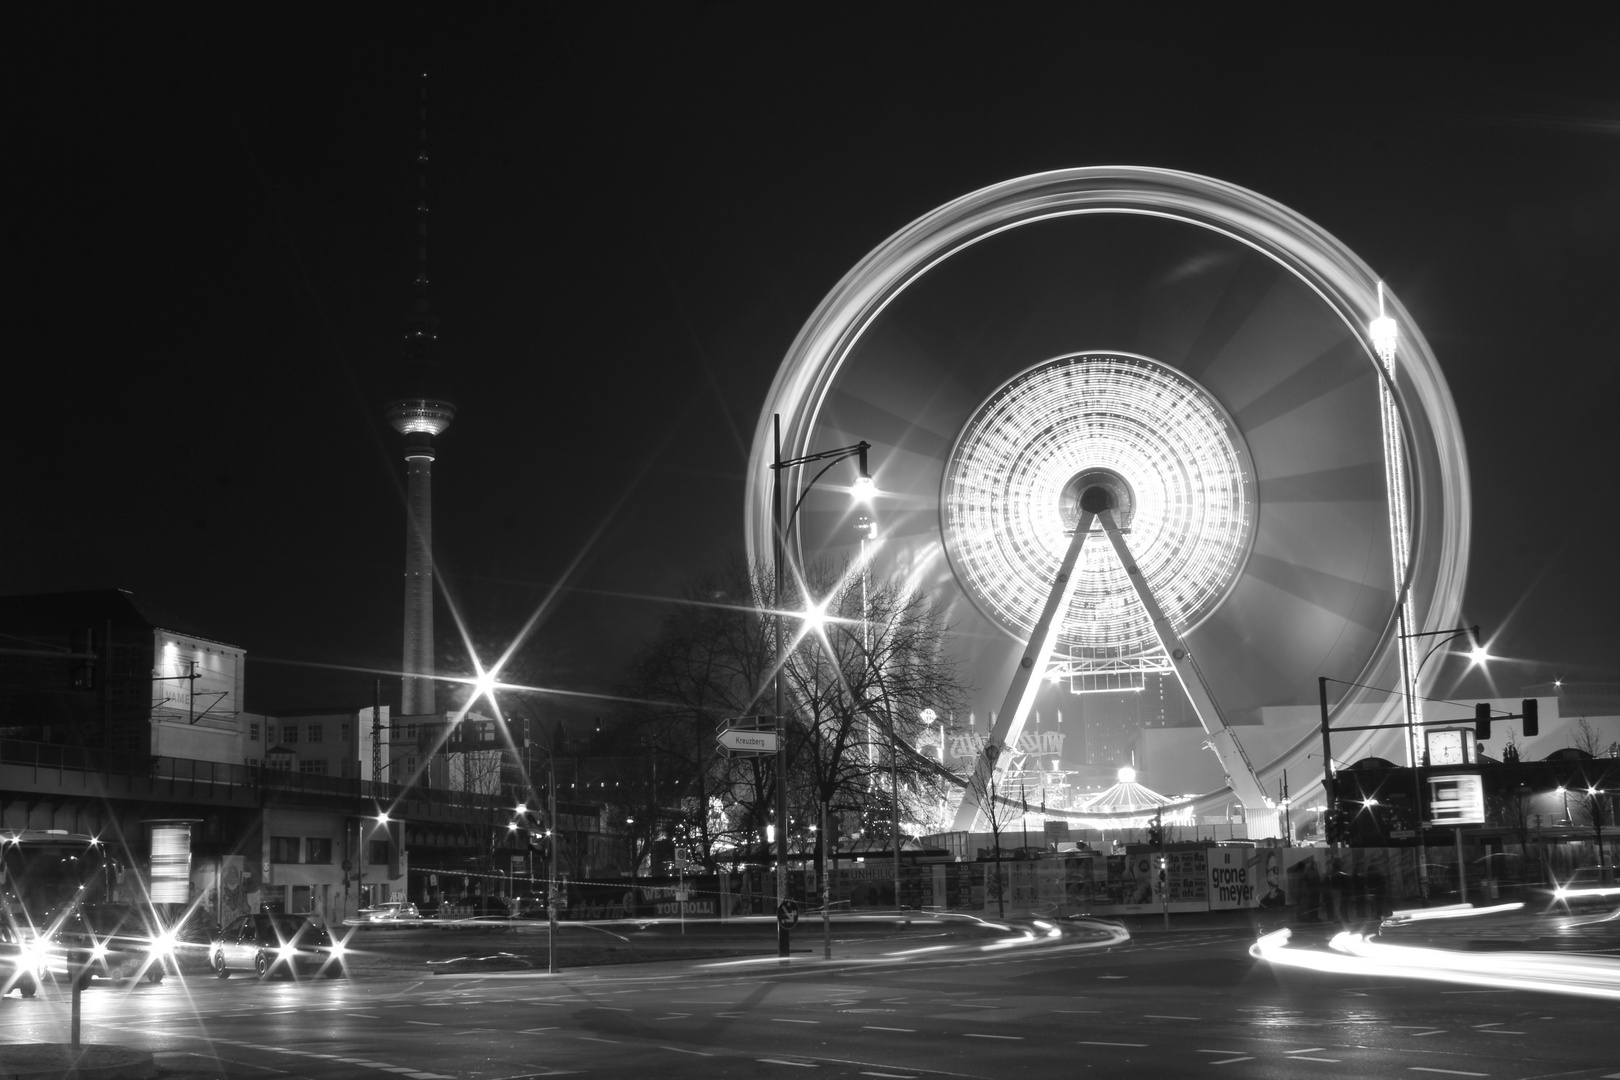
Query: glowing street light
[{"x": 780, "y": 526}]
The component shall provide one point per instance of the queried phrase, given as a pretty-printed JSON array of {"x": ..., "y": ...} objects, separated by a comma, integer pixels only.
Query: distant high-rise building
[{"x": 419, "y": 416}]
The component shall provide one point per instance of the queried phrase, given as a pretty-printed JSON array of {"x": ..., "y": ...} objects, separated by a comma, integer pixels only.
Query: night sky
[{"x": 209, "y": 246}]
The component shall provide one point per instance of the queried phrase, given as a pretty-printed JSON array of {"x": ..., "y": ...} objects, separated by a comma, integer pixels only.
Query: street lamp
[
  {"x": 863, "y": 487},
  {"x": 1411, "y": 686}
]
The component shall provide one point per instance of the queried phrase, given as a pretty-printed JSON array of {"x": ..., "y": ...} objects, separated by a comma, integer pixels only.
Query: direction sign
[
  {"x": 743, "y": 741},
  {"x": 749, "y": 723}
]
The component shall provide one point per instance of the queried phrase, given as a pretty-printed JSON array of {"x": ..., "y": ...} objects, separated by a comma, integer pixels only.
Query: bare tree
[
  {"x": 855, "y": 684},
  {"x": 997, "y": 813}
]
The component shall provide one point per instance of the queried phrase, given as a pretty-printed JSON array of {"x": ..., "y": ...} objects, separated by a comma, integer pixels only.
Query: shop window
[{"x": 303, "y": 900}]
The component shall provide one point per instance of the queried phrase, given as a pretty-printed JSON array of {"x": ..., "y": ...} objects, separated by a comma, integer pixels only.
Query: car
[
  {"x": 1584, "y": 890},
  {"x": 110, "y": 941},
  {"x": 271, "y": 942},
  {"x": 22, "y": 961},
  {"x": 392, "y": 911}
]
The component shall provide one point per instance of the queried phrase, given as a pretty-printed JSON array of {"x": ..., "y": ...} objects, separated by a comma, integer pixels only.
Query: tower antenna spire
[{"x": 422, "y": 195}]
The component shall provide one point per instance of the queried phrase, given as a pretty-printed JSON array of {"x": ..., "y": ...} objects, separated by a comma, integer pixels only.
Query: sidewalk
[{"x": 58, "y": 1061}]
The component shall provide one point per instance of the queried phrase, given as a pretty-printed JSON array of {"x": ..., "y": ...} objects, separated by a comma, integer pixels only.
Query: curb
[{"x": 59, "y": 1061}]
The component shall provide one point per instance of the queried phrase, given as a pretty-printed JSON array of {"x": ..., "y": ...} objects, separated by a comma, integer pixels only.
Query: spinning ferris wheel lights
[{"x": 1177, "y": 469}]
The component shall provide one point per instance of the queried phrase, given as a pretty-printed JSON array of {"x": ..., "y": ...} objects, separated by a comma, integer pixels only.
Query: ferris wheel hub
[{"x": 1096, "y": 490}]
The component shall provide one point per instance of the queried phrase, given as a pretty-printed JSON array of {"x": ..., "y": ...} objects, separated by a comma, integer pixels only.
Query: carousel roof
[{"x": 1125, "y": 796}]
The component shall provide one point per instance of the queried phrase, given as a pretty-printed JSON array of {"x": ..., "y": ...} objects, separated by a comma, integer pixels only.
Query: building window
[
  {"x": 316, "y": 767},
  {"x": 346, "y": 769},
  {"x": 410, "y": 764},
  {"x": 289, "y": 733},
  {"x": 302, "y": 900},
  {"x": 253, "y": 732},
  {"x": 410, "y": 732},
  {"x": 343, "y": 731},
  {"x": 254, "y": 762},
  {"x": 317, "y": 849},
  {"x": 486, "y": 733},
  {"x": 314, "y": 733},
  {"x": 284, "y": 849},
  {"x": 378, "y": 853}
]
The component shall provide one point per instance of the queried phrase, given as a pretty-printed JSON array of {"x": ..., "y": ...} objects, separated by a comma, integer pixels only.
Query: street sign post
[{"x": 745, "y": 742}]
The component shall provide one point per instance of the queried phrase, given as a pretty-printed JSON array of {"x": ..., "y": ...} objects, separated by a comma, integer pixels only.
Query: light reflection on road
[{"x": 1355, "y": 954}]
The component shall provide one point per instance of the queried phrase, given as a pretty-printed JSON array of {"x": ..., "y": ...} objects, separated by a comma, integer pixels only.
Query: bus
[{"x": 45, "y": 870}]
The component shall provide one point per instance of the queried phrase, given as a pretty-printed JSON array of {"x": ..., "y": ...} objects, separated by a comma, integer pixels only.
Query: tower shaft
[{"x": 418, "y": 697}]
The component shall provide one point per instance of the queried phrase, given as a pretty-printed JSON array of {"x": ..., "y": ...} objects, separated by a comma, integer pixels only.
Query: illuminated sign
[
  {"x": 171, "y": 862},
  {"x": 971, "y": 745},
  {"x": 1456, "y": 800}
]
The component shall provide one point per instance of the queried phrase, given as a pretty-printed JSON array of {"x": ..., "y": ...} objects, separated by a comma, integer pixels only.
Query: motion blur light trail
[
  {"x": 1354, "y": 954},
  {"x": 1040, "y": 935}
]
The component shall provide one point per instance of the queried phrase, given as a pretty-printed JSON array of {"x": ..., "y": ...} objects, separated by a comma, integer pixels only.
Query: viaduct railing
[{"x": 50, "y": 768}]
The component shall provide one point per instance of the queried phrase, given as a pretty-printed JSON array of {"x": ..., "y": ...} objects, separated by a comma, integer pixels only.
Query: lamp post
[
  {"x": 779, "y": 545},
  {"x": 1411, "y": 688}
]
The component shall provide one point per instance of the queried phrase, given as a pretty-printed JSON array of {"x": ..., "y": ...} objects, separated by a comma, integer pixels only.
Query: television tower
[{"x": 419, "y": 417}]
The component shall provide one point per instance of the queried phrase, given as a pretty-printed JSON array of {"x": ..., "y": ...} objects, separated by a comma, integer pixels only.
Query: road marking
[
  {"x": 1330, "y": 1061},
  {"x": 976, "y": 1035},
  {"x": 1499, "y": 1031},
  {"x": 678, "y": 1050},
  {"x": 363, "y": 1016},
  {"x": 1086, "y": 1042},
  {"x": 474, "y": 1031},
  {"x": 779, "y": 1061},
  {"x": 874, "y": 1027},
  {"x": 592, "y": 1038},
  {"x": 1305, "y": 1050},
  {"x": 614, "y": 1008},
  {"x": 965, "y": 1005},
  {"x": 1163, "y": 1016},
  {"x": 537, "y": 1031},
  {"x": 672, "y": 1016},
  {"x": 1448, "y": 1072},
  {"x": 1436, "y": 1031},
  {"x": 1231, "y": 1061},
  {"x": 1218, "y": 1051},
  {"x": 785, "y": 1020},
  {"x": 425, "y": 1023},
  {"x": 892, "y": 1076}
]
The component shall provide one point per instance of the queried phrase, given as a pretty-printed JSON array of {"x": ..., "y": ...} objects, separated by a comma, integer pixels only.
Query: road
[{"x": 1181, "y": 1004}]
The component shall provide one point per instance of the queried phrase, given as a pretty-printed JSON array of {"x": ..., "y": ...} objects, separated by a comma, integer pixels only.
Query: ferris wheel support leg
[
  {"x": 1026, "y": 683},
  {"x": 1259, "y": 812}
]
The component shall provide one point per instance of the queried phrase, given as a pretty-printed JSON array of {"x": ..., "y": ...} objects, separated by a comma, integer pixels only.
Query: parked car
[
  {"x": 392, "y": 911},
  {"x": 1584, "y": 890},
  {"x": 110, "y": 941},
  {"x": 22, "y": 961},
  {"x": 272, "y": 942}
]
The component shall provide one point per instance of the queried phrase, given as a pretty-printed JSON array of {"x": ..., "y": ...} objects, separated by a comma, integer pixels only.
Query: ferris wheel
[{"x": 1170, "y": 384}]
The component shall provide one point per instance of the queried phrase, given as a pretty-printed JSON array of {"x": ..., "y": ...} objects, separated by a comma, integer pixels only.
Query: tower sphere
[{"x": 420, "y": 415}]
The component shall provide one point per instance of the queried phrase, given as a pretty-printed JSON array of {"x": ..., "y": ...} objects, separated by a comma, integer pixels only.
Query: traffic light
[
  {"x": 1338, "y": 825},
  {"x": 1532, "y": 717},
  {"x": 1156, "y": 831},
  {"x": 1482, "y": 722}
]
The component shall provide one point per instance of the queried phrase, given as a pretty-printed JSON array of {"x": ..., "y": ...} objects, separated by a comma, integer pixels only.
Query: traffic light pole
[{"x": 1531, "y": 715}]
